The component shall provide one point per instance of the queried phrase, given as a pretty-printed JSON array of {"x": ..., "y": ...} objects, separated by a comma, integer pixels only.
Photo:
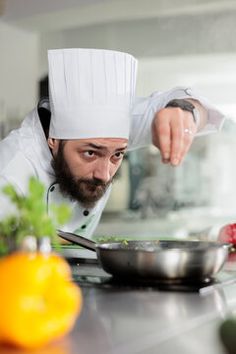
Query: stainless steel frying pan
[{"x": 169, "y": 260}]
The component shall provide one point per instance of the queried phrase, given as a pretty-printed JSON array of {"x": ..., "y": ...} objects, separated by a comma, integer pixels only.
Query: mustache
[{"x": 95, "y": 182}]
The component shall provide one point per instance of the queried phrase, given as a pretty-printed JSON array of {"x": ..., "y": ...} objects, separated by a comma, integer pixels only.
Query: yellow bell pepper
[{"x": 39, "y": 302}]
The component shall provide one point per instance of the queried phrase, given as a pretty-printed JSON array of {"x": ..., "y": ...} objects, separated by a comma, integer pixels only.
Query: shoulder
[{"x": 17, "y": 171}]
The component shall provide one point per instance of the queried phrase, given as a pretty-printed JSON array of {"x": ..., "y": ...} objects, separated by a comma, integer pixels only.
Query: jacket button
[
  {"x": 83, "y": 227},
  {"x": 86, "y": 212}
]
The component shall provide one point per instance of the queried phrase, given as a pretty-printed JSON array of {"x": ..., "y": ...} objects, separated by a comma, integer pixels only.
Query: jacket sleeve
[{"x": 144, "y": 110}]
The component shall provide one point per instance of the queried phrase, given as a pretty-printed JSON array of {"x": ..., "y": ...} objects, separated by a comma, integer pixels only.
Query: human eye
[
  {"x": 89, "y": 153},
  {"x": 118, "y": 156}
]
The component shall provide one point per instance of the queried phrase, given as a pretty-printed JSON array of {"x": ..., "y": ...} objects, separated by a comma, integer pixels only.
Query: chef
[{"x": 75, "y": 141}]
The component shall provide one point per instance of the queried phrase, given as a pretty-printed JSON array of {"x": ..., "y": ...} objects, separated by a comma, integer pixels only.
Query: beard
[{"x": 83, "y": 190}]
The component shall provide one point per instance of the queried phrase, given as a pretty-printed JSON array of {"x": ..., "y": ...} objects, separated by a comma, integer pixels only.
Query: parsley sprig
[{"x": 31, "y": 217}]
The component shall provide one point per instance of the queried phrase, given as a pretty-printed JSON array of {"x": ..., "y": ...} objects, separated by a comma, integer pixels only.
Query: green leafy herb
[
  {"x": 31, "y": 217},
  {"x": 106, "y": 239}
]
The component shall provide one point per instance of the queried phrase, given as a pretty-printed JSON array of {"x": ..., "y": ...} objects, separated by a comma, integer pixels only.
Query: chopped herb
[{"x": 106, "y": 239}]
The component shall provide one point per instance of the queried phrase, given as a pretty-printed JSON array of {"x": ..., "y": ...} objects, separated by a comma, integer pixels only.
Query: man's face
[{"x": 85, "y": 168}]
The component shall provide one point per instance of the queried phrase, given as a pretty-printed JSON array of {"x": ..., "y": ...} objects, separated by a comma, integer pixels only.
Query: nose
[{"x": 102, "y": 171}]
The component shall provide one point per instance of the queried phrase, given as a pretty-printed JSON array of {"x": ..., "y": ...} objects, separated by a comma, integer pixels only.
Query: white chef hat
[{"x": 91, "y": 93}]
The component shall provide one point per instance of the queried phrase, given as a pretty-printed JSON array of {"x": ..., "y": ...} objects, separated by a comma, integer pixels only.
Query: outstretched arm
[{"x": 172, "y": 129}]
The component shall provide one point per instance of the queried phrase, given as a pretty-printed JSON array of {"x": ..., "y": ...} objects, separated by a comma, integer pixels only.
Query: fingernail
[
  {"x": 175, "y": 161},
  {"x": 165, "y": 160}
]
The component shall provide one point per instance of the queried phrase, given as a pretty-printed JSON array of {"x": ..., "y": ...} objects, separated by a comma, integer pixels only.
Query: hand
[{"x": 173, "y": 130}]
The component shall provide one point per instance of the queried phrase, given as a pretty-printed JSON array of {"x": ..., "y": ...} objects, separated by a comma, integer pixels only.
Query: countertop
[
  {"x": 127, "y": 320},
  {"x": 146, "y": 320}
]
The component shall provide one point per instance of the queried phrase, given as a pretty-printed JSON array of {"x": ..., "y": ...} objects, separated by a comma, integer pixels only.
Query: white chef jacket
[{"x": 24, "y": 153}]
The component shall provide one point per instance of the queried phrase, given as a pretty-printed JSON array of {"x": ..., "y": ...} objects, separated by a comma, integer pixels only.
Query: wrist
[{"x": 185, "y": 105}]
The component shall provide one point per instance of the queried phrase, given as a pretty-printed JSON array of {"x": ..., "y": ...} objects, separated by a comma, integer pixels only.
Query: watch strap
[{"x": 185, "y": 105}]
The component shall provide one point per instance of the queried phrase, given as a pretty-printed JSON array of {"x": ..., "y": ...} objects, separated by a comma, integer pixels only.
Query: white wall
[
  {"x": 18, "y": 71},
  {"x": 194, "y": 49},
  {"x": 173, "y": 47},
  {"x": 212, "y": 75}
]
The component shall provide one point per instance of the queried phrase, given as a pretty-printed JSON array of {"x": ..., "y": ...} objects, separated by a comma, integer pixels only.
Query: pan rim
[{"x": 203, "y": 245}]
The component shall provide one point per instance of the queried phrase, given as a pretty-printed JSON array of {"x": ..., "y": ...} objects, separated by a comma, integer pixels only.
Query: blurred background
[{"x": 177, "y": 42}]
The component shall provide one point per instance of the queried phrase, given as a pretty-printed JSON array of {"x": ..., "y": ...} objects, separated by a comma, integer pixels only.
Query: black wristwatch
[{"x": 185, "y": 106}]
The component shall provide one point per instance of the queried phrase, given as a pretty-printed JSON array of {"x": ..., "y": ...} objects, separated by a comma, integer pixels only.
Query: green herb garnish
[
  {"x": 31, "y": 217},
  {"x": 106, "y": 239}
]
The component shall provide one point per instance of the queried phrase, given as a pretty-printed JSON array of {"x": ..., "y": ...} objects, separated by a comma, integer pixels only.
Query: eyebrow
[{"x": 101, "y": 147}]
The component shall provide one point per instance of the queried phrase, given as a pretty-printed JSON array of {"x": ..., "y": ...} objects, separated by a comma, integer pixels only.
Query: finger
[
  {"x": 162, "y": 137},
  {"x": 188, "y": 139},
  {"x": 165, "y": 142},
  {"x": 177, "y": 136},
  {"x": 190, "y": 130},
  {"x": 185, "y": 138},
  {"x": 189, "y": 133}
]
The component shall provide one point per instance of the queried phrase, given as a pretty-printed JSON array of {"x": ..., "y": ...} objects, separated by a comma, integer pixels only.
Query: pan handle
[{"x": 78, "y": 240}]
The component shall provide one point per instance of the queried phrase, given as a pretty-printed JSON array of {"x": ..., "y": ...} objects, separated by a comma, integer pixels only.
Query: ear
[{"x": 53, "y": 144}]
